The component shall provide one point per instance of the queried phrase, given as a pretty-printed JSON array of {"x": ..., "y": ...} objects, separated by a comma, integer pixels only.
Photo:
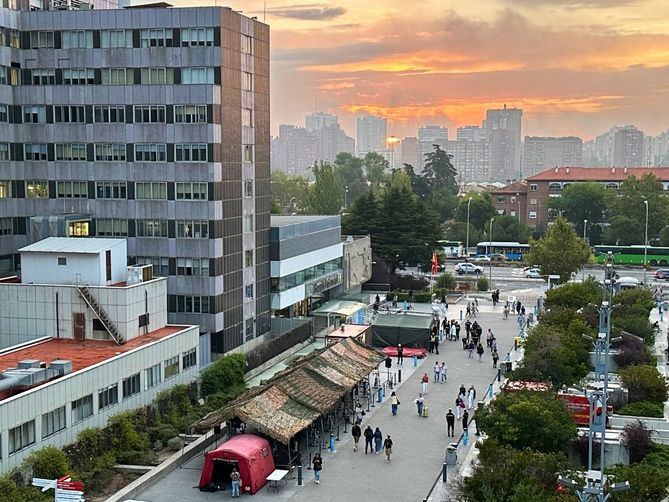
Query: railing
[{"x": 90, "y": 300}]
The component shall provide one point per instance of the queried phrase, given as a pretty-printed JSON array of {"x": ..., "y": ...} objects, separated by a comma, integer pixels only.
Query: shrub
[
  {"x": 638, "y": 326},
  {"x": 124, "y": 437},
  {"x": 658, "y": 456},
  {"x": 162, "y": 433},
  {"x": 646, "y": 482},
  {"x": 446, "y": 281},
  {"x": 574, "y": 295},
  {"x": 88, "y": 447},
  {"x": 98, "y": 473},
  {"x": 175, "y": 444},
  {"x": 226, "y": 373},
  {"x": 643, "y": 409},
  {"x": 644, "y": 383},
  {"x": 632, "y": 351},
  {"x": 636, "y": 438},
  {"x": 48, "y": 463},
  {"x": 408, "y": 282},
  {"x": 482, "y": 284},
  {"x": 172, "y": 406}
]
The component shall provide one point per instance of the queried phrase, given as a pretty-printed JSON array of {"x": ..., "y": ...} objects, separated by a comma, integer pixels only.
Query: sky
[{"x": 575, "y": 67}]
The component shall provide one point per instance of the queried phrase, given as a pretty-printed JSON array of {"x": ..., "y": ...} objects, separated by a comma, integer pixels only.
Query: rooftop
[
  {"x": 598, "y": 173},
  {"x": 282, "y": 221},
  {"x": 515, "y": 187},
  {"x": 83, "y": 354},
  {"x": 80, "y": 245}
]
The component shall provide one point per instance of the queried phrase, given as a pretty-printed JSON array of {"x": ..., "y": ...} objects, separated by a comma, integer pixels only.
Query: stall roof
[
  {"x": 294, "y": 398},
  {"x": 341, "y": 307},
  {"x": 402, "y": 320}
]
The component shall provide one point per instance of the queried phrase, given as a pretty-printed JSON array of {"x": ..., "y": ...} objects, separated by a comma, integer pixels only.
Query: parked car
[
  {"x": 468, "y": 268},
  {"x": 498, "y": 257},
  {"x": 481, "y": 257},
  {"x": 533, "y": 273},
  {"x": 662, "y": 274}
]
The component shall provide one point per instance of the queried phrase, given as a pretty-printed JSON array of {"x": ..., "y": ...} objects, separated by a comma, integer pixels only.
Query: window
[
  {"x": 62, "y": 261},
  {"x": 41, "y": 39},
  {"x": 82, "y": 408},
  {"x": 4, "y": 113},
  {"x": 151, "y": 228},
  {"x": 5, "y": 189},
  {"x": 513, "y": 199},
  {"x": 156, "y": 38},
  {"x": 131, "y": 386},
  {"x": 190, "y": 152},
  {"x": 248, "y": 258},
  {"x": 248, "y": 291},
  {"x": 191, "y": 191},
  {"x": 72, "y": 189},
  {"x": 249, "y": 329},
  {"x": 150, "y": 152},
  {"x": 4, "y": 75},
  {"x": 34, "y": 114},
  {"x": 21, "y": 437},
  {"x": 152, "y": 76},
  {"x": 171, "y": 367},
  {"x": 248, "y": 223},
  {"x": 110, "y": 152},
  {"x": 109, "y": 114},
  {"x": 78, "y": 76},
  {"x": 533, "y": 187},
  {"x": 110, "y": 190},
  {"x": 146, "y": 190},
  {"x": 6, "y": 227},
  {"x": 69, "y": 114},
  {"x": 193, "y": 304},
  {"x": 247, "y": 153},
  {"x": 4, "y": 151},
  {"x": 555, "y": 186},
  {"x": 197, "y": 36},
  {"x": 79, "y": 39},
  {"x": 37, "y": 189},
  {"x": 111, "y": 227},
  {"x": 197, "y": 75},
  {"x": 108, "y": 397},
  {"x": 71, "y": 151},
  {"x": 115, "y": 38},
  {"x": 512, "y": 213},
  {"x": 53, "y": 422},
  {"x": 192, "y": 229},
  {"x": 247, "y": 44},
  {"x": 150, "y": 114},
  {"x": 533, "y": 214},
  {"x": 35, "y": 151},
  {"x": 189, "y": 359},
  {"x": 117, "y": 76},
  {"x": 247, "y": 117},
  {"x": 248, "y": 188},
  {"x": 160, "y": 265},
  {"x": 247, "y": 81},
  {"x": 501, "y": 199},
  {"x": 43, "y": 77},
  {"x": 152, "y": 376},
  {"x": 613, "y": 186},
  {"x": 190, "y": 114},
  {"x": 533, "y": 201},
  {"x": 193, "y": 266}
]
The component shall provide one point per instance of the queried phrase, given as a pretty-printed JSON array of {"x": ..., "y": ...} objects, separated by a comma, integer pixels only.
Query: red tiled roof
[
  {"x": 515, "y": 187},
  {"x": 598, "y": 173},
  {"x": 82, "y": 353}
]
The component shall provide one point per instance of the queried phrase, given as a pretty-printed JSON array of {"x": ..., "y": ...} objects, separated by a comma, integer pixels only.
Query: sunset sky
[{"x": 573, "y": 66}]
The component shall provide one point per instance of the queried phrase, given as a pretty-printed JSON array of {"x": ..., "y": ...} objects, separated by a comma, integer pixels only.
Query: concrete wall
[{"x": 357, "y": 262}]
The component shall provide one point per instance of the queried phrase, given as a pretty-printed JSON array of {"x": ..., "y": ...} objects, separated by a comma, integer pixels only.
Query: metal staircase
[{"x": 90, "y": 300}]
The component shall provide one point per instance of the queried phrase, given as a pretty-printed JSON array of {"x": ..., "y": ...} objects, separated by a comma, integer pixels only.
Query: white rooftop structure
[{"x": 88, "y": 245}]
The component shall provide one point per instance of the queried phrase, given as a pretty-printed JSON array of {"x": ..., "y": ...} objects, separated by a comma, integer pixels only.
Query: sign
[
  {"x": 70, "y": 485},
  {"x": 323, "y": 283},
  {"x": 65, "y": 489}
]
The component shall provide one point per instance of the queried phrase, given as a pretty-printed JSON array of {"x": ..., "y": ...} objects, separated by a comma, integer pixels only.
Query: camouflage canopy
[{"x": 296, "y": 397}]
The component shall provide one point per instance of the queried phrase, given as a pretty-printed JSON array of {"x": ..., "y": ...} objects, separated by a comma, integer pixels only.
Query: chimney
[
  {"x": 567, "y": 170},
  {"x": 556, "y": 170},
  {"x": 613, "y": 170},
  {"x": 625, "y": 170}
]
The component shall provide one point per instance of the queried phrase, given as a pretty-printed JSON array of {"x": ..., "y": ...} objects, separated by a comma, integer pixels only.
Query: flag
[{"x": 435, "y": 262}]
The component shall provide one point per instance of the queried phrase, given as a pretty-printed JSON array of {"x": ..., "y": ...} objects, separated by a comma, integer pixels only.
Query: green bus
[{"x": 632, "y": 255}]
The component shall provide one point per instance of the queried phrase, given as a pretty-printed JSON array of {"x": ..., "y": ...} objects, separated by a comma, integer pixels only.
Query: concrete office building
[
  {"x": 371, "y": 135},
  {"x": 152, "y": 124},
  {"x": 504, "y": 127},
  {"x": 294, "y": 150},
  {"x": 428, "y": 136},
  {"x": 541, "y": 153}
]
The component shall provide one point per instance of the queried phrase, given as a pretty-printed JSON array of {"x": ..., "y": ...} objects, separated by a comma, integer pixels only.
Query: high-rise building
[
  {"x": 371, "y": 135},
  {"x": 471, "y": 154},
  {"x": 428, "y": 136},
  {"x": 504, "y": 127},
  {"x": 332, "y": 140},
  {"x": 150, "y": 124},
  {"x": 659, "y": 151},
  {"x": 319, "y": 120},
  {"x": 628, "y": 147},
  {"x": 409, "y": 151},
  {"x": 294, "y": 150},
  {"x": 541, "y": 153}
]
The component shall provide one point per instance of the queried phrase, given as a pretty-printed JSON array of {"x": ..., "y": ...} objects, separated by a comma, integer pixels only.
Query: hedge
[{"x": 643, "y": 409}]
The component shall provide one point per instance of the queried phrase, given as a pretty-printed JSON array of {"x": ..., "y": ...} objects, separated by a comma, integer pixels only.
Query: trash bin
[{"x": 451, "y": 455}]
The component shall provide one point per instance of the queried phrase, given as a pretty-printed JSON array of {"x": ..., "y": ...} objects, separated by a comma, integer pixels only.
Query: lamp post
[
  {"x": 585, "y": 229},
  {"x": 490, "y": 249},
  {"x": 346, "y": 196},
  {"x": 391, "y": 141},
  {"x": 518, "y": 201},
  {"x": 645, "y": 245},
  {"x": 469, "y": 202}
]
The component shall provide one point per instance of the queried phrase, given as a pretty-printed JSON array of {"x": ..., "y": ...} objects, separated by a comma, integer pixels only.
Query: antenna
[{"x": 264, "y": 11}]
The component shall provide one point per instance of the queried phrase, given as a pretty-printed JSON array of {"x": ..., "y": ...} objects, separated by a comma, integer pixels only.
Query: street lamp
[
  {"x": 518, "y": 201},
  {"x": 469, "y": 202},
  {"x": 490, "y": 249},
  {"x": 346, "y": 196},
  {"x": 645, "y": 245},
  {"x": 585, "y": 229},
  {"x": 392, "y": 140}
]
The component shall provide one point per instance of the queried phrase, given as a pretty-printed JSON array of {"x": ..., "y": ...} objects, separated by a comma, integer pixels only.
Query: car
[
  {"x": 662, "y": 274},
  {"x": 498, "y": 257},
  {"x": 468, "y": 268},
  {"x": 481, "y": 257},
  {"x": 533, "y": 273}
]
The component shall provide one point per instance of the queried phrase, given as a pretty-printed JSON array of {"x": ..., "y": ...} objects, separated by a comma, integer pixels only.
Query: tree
[
  {"x": 457, "y": 231},
  {"x": 637, "y": 440},
  {"x": 560, "y": 251},
  {"x": 575, "y": 295},
  {"x": 349, "y": 173},
  {"x": 480, "y": 210},
  {"x": 48, "y": 463},
  {"x": 582, "y": 201},
  {"x": 528, "y": 420},
  {"x": 223, "y": 374},
  {"x": 377, "y": 167},
  {"x": 644, "y": 383},
  {"x": 507, "y": 228},
  {"x": 622, "y": 231},
  {"x": 664, "y": 236},
  {"x": 289, "y": 193},
  {"x": 438, "y": 170},
  {"x": 326, "y": 197},
  {"x": 646, "y": 482},
  {"x": 363, "y": 216}
]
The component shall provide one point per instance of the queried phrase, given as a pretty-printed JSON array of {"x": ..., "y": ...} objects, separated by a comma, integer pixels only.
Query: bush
[
  {"x": 574, "y": 295},
  {"x": 408, "y": 282},
  {"x": 226, "y": 373},
  {"x": 644, "y": 383},
  {"x": 162, "y": 433},
  {"x": 638, "y": 326},
  {"x": 636, "y": 438},
  {"x": 48, "y": 463},
  {"x": 89, "y": 445},
  {"x": 632, "y": 351},
  {"x": 446, "y": 281},
  {"x": 643, "y": 409},
  {"x": 174, "y": 405},
  {"x": 646, "y": 482},
  {"x": 175, "y": 444},
  {"x": 124, "y": 437},
  {"x": 418, "y": 297},
  {"x": 99, "y": 473},
  {"x": 482, "y": 284}
]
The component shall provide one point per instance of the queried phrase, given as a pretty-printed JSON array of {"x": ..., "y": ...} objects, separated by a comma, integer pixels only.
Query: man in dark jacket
[
  {"x": 356, "y": 433},
  {"x": 369, "y": 436},
  {"x": 450, "y": 423}
]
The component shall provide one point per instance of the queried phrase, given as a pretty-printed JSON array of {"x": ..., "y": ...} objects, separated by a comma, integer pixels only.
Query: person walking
[
  {"x": 470, "y": 349},
  {"x": 495, "y": 358},
  {"x": 459, "y": 406},
  {"x": 236, "y": 480},
  {"x": 318, "y": 467},
  {"x": 420, "y": 402},
  {"x": 378, "y": 440},
  {"x": 493, "y": 344},
  {"x": 400, "y": 353},
  {"x": 469, "y": 311},
  {"x": 357, "y": 417},
  {"x": 506, "y": 311},
  {"x": 457, "y": 330},
  {"x": 480, "y": 350},
  {"x": 388, "y": 447},
  {"x": 465, "y": 420},
  {"x": 424, "y": 380},
  {"x": 462, "y": 391},
  {"x": 450, "y": 424},
  {"x": 453, "y": 333},
  {"x": 369, "y": 436},
  {"x": 437, "y": 372},
  {"x": 436, "y": 345},
  {"x": 471, "y": 396},
  {"x": 444, "y": 370},
  {"x": 394, "y": 403},
  {"x": 356, "y": 433},
  {"x": 468, "y": 327}
]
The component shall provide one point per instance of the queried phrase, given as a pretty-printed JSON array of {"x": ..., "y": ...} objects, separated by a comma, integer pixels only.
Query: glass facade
[{"x": 315, "y": 272}]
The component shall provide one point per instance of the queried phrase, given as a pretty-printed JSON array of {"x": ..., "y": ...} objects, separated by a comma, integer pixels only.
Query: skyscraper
[
  {"x": 504, "y": 128},
  {"x": 541, "y": 153},
  {"x": 371, "y": 135},
  {"x": 471, "y": 155},
  {"x": 628, "y": 147},
  {"x": 319, "y": 120},
  {"x": 294, "y": 150},
  {"x": 428, "y": 136},
  {"x": 409, "y": 151},
  {"x": 150, "y": 124}
]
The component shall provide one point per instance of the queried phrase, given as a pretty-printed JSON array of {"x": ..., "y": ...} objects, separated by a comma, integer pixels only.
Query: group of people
[{"x": 375, "y": 437}]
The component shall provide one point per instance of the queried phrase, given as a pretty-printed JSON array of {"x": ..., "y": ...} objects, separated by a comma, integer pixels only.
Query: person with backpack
[
  {"x": 388, "y": 447},
  {"x": 369, "y": 436},
  {"x": 480, "y": 350},
  {"x": 318, "y": 467},
  {"x": 356, "y": 433},
  {"x": 378, "y": 440},
  {"x": 394, "y": 403}
]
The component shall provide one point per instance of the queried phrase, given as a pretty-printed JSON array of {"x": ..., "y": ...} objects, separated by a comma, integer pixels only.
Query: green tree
[
  {"x": 574, "y": 295},
  {"x": 289, "y": 193},
  {"x": 582, "y": 201},
  {"x": 349, "y": 173},
  {"x": 507, "y": 228},
  {"x": 224, "y": 374},
  {"x": 457, "y": 231},
  {"x": 480, "y": 210},
  {"x": 646, "y": 482},
  {"x": 363, "y": 216},
  {"x": 439, "y": 171},
  {"x": 664, "y": 236},
  {"x": 48, "y": 463},
  {"x": 326, "y": 196},
  {"x": 377, "y": 169},
  {"x": 560, "y": 251},
  {"x": 622, "y": 231},
  {"x": 644, "y": 383},
  {"x": 528, "y": 420}
]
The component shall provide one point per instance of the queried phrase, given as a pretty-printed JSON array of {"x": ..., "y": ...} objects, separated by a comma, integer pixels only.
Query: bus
[
  {"x": 452, "y": 249},
  {"x": 514, "y": 251},
  {"x": 632, "y": 255}
]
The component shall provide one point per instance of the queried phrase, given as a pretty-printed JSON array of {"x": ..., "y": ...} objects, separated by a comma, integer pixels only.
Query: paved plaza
[{"x": 419, "y": 443}]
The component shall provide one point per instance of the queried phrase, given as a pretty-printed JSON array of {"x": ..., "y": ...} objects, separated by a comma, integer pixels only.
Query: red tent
[{"x": 250, "y": 454}]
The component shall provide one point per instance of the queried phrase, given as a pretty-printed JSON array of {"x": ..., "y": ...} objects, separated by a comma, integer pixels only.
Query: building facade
[
  {"x": 428, "y": 136},
  {"x": 318, "y": 120},
  {"x": 294, "y": 150},
  {"x": 409, "y": 151},
  {"x": 541, "y": 153},
  {"x": 371, "y": 135},
  {"x": 628, "y": 147},
  {"x": 504, "y": 128},
  {"x": 511, "y": 199},
  {"x": 471, "y": 154},
  {"x": 153, "y": 122}
]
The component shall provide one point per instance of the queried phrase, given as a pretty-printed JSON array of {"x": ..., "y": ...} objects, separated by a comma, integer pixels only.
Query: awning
[{"x": 341, "y": 307}]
